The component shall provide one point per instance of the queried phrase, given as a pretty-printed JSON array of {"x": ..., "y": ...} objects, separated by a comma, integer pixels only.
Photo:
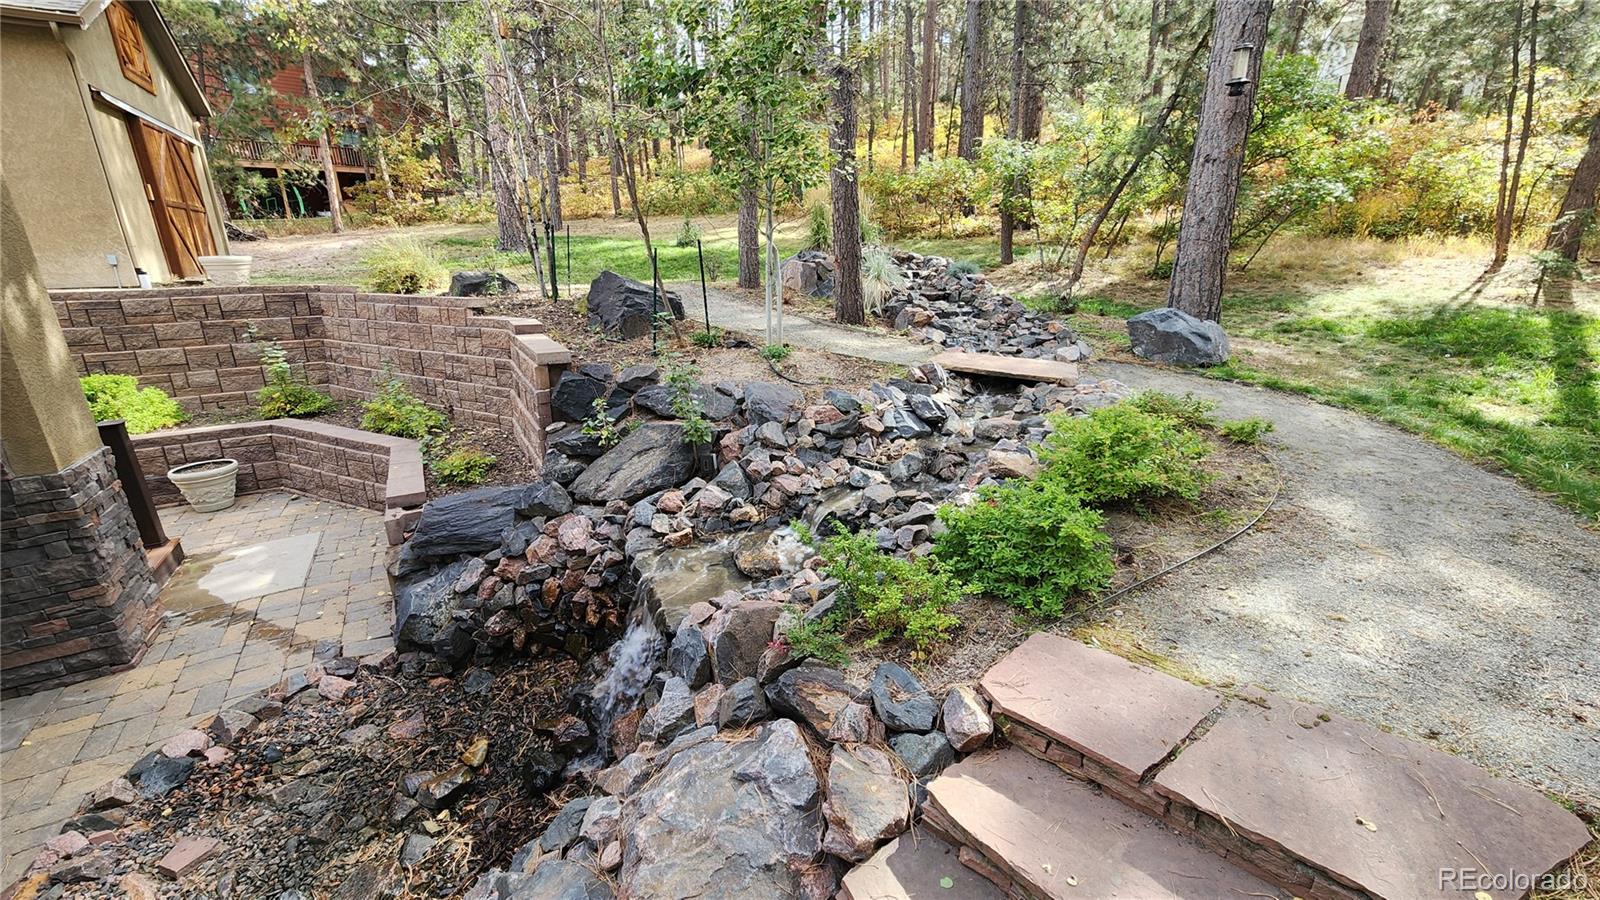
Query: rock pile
[
  {"x": 809, "y": 272},
  {"x": 961, "y": 309}
]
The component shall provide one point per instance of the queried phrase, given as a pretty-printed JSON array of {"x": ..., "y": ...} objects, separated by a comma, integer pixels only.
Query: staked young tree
[
  {"x": 1217, "y": 163},
  {"x": 1577, "y": 205},
  {"x": 1363, "y": 80}
]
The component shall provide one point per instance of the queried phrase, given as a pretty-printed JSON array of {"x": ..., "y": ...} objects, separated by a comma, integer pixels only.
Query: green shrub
[
  {"x": 895, "y": 597},
  {"x": 963, "y": 267},
  {"x": 776, "y": 352},
  {"x": 688, "y": 234},
  {"x": 819, "y": 227},
  {"x": 286, "y": 396},
  {"x": 120, "y": 397},
  {"x": 403, "y": 266},
  {"x": 601, "y": 426},
  {"x": 1188, "y": 410},
  {"x": 681, "y": 381},
  {"x": 395, "y": 410},
  {"x": 1246, "y": 431},
  {"x": 819, "y": 640},
  {"x": 707, "y": 340},
  {"x": 465, "y": 464},
  {"x": 1122, "y": 452},
  {"x": 1030, "y": 543}
]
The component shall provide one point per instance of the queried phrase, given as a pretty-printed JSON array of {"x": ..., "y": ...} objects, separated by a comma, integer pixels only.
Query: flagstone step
[
  {"x": 1048, "y": 835},
  {"x": 1014, "y": 368},
  {"x": 1319, "y": 805},
  {"x": 918, "y": 865}
]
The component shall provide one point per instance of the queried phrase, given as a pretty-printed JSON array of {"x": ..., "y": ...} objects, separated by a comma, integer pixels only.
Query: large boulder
[
  {"x": 767, "y": 402},
  {"x": 727, "y": 819},
  {"x": 469, "y": 522},
  {"x": 814, "y": 694},
  {"x": 575, "y": 394},
  {"x": 738, "y": 635},
  {"x": 422, "y": 606},
  {"x": 481, "y": 284},
  {"x": 1172, "y": 336},
  {"x": 868, "y": 801},
  {"x": 714, "y": 404},
  {"x": 653, "y": 458},
  {"x": 622, "y": 307}
]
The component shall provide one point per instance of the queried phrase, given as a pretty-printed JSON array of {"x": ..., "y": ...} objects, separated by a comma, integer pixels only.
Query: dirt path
[
  {"x": 731, "y": 311},
  {"x": 1399, "y": 583}
]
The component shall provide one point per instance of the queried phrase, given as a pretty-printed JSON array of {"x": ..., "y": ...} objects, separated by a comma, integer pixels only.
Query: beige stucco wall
[
  {"x": 44, "y": 421},
  {"x": 48, "y": 158},
  {"x": 38, "y": 89}
]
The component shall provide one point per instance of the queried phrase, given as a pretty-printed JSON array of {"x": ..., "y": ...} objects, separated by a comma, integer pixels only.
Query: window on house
[{"x": 129, "y": 41}]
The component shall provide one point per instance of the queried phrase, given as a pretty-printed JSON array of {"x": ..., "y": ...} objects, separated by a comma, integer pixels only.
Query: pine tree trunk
[
  {"x": 330, "y": 175},
  {"x": 1369, "y": 48},
  {"x": 1218, "y": 161},
  {"x": 1504, "y": 200},
  {"x": 1577, "y": 208},
  {"x": 972, "y": 83},
  {"x": 847, "y": 300},
  {"x": 616, "y": 169},
  {"x": 508, "y": 211},
  {"x": 1019, "y": 89},
  {"x": 908, "y": 71},
  {"x": 1295, "y": 31},
  {"x": 749, "y": 237},
  {"x": 930, "y": 79}
]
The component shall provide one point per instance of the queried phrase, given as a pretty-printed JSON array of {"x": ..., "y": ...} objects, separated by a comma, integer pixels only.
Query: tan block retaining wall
[{"x": 195, "y": 343}]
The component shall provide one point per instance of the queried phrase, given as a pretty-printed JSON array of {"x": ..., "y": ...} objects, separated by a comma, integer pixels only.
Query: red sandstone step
[
  {"x": 1381, "y": 814},
  {"x": 1015, "y": 368},
  {"x": 1053, "y": 836},
  {"x": 1122, "y": 715},
  {"x": 918, "y": 865}
]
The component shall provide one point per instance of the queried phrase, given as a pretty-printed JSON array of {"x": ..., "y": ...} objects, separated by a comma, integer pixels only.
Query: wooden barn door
[{"x": 177, "y": 201}]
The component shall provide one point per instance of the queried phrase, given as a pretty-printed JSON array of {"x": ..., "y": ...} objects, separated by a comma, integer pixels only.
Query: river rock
[
  {"x": 901, "y": 701},
  {"x": 622, "y": 307},
  {"x": 688, "y": 658},
  {"x": 725, "y": 819},
  {"x": 767, "y": 402},
  {"x": 966, "y": 719},
  {"x": 868, "y": 802},
  {"x": 856, "y": 724},
  {"x": 654, "y": 457},
  {"x": 1012, "y": 464},
  {"x": 737, "y": 636},
  {"x": 812, "y": 693},
  {"x": 565, "y": 827},
  {"x": 554, "y": 879},
  {"x": 1172, "y": 336}
]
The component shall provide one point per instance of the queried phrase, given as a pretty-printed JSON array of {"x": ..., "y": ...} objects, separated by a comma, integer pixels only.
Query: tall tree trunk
[
  {"x": 908, "y": 71},
  {"x": 613, "y": 150},
  {"x": 512, "y": 233},
  {"x": 1502, "y": 243},
  {"x": 1369, "y": 49},
  {"x": 930, "y": 79},
  {"x": 972, "y": 83},
  {"x": 1504, "y": 200},
  {"x": 330, "y": 175},
  {"x": 1577, "y": 207},
  {"x": 1295, "y": 28},
  {"x": 1013, "y": 189},
  {"x": 1218, "y": 161},
  {"x": 749, "y": 236},
  {"x": 847, "y": 300}
]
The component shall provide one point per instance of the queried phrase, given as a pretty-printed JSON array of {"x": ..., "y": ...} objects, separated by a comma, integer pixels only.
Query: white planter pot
[
  {"x": 208, "y": 485},
  {"x": 230, "y": 270}
]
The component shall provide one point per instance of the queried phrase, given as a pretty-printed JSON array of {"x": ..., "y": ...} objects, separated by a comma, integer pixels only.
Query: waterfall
[{"x": 634, "y": 658}]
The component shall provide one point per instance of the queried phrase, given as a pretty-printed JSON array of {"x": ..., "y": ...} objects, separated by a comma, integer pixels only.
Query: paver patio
[{"x": 245, "y": 607}]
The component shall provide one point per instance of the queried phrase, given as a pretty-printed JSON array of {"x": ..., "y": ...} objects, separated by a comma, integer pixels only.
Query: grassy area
[{"x": 1511, "y": 385}]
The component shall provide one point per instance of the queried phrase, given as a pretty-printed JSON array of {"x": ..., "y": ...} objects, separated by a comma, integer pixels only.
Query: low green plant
[
  {"x": 688, "y": 234},
  {"x": 1188, "y": 410},
  {"x": 776, "y": 352},
  {"x": 681, "y": 382},
  {"x": 963, "y": 267},
  {"x": 709, "y": 339},
  {"x": 120, "y": 397},
  {"x": 601, "y": 426},
  {"x": 395, "y": 410},
  {"x": 403, "y": 266},
  {"x": 893, "y": 596},
  {"x": 1245, "y": 431},
  {"x": 465, "y": 464},
  {"x": 285, "y": 395},
  {"x": 819, "y": 227},
  {"x": 1031, "y": 543},
  {"x": 803, "y": 532},
  {"x": 1122, "y": 452},
  {"x": 818, "y": 639}
]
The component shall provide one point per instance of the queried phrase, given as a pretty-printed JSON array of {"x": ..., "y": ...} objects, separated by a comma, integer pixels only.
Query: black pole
[
  {"x": 555, "y": 274},
  {"x": 569, "y": 254},
  {"x": 704, "y": 300},
  {"x": 655, "y": 302}
]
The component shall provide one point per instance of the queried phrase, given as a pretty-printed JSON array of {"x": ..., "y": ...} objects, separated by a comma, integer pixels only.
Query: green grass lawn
[{"x": 1512, "y": 386}]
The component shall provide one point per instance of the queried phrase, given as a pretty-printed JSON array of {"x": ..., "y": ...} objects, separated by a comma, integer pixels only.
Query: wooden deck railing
[{"x": 302, "y": 153}]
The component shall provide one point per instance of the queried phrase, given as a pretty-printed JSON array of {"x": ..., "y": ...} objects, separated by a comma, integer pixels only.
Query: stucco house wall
[{"x": 69, "y": 154}]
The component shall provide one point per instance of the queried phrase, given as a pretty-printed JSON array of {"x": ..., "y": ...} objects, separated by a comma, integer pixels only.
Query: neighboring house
[{"x": 102, "y": 143}]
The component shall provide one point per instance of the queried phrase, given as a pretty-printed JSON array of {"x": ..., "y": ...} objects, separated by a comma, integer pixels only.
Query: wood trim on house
[
  {"x": 129, "y": 41},
  {"x": 177, "y": 202}
]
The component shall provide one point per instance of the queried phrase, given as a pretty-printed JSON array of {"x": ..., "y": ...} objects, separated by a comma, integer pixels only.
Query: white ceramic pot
[
  {"x": 208, "y": 485},
  {"x": 230, "y": 270}
]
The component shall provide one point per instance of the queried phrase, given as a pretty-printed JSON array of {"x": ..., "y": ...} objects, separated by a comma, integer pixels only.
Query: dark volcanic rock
[
  {"x": 714, "y": 404},
  {"x": 652, "y": 458},
  {"x": 574, "y": 396},
  {"x": 481, "y": 284},
  {"x": 157, "y": 776},
  {"x": 420, "y": 607},
  {"x": 469, "y": 522},
  {"x": 901, "y": 701},
  {"x": 812, "y": 693},
  {"x": 1172, "y": 336},
  {"x": 923, "y": 754},
  {"x": 544, "y": 498},
  {"x": 765, "y": 402},
  {"x": 622, "y": 307}
]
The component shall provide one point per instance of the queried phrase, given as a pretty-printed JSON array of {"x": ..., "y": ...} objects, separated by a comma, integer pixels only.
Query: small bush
[
  {"x": 285, "y": 396},
  {"x": 707, "y": 340},
  {"x": 819, "y": 227},
  {"x": 776, "y": 352},
  {"x": 1246, "y": 431},
  {"x": 1122, "y": 452},
  {"x": 1188, "y": 410},
  {"x": 465, "y": 464},
  {"x": 1030, "y": 543},
  {"x": 681, "y": 381},
  {"x": 120, "y": 397},
  {"x": 963, "y": 267},
  {"x": 601, "y": 426},
  {"x": 688, "y": 234},
  {"x": 819, "y": 640},
  {"x": 398, "y": 412},
  {"x": 403, "y": 266},
  {"x": 895, "y": 597}
]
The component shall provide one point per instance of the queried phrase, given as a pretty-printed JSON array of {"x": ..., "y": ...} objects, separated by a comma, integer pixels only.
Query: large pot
[
  {"x": 208, "y": 485},
  {"x": 229, "y": 270}
]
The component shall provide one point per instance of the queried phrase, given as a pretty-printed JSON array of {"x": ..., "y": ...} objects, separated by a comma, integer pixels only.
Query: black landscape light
[{"x": 1241, "y": 69}]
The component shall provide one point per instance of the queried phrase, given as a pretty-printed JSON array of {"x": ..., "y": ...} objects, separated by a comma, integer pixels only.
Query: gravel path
[{"x": 1398, "y": 583}]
